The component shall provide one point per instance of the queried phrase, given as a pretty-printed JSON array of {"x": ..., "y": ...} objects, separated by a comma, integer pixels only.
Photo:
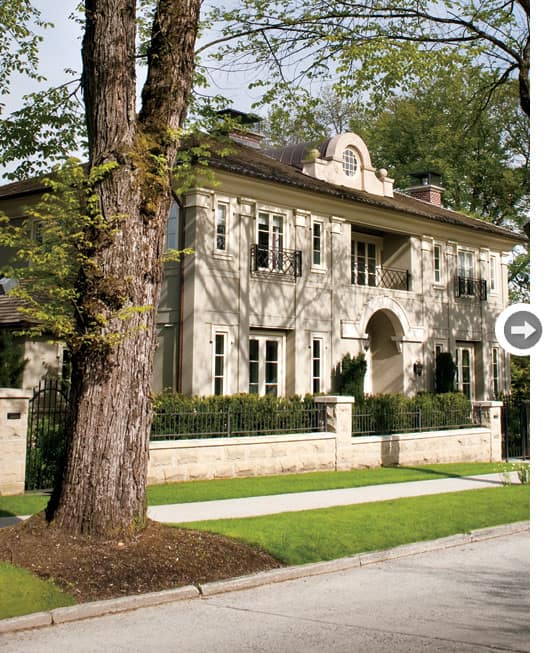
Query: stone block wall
[{"x": 14, "y": 406}]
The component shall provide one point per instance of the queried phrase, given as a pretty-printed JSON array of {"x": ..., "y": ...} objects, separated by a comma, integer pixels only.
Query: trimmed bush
[{"x": 445, "y": 372}]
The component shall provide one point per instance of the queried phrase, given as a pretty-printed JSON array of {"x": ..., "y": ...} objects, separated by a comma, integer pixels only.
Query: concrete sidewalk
[{"x": 269, "y": 505}]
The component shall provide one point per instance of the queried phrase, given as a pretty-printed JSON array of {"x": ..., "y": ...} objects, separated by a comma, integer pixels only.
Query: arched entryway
[{"x": 385, "y": 326}]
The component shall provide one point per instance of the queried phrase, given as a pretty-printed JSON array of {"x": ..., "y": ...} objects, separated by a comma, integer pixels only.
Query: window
[
  {"x": 270, "y": 241},
  {"x": 172, "y": 240},
  {"x": 466, "y": 272},
  {"x": 364, "y": 261},
  {"x": 437, "y": 264},
  {"x": 495, "y": 371},
  {"x": 493, "y": 274},
  {"x": 464, "y": 370},
  {"x": 265, "y": 366},
  {"x": 221, "y": 227},
  {"x": 317, "y": 244},
  {"x": 220, "y": 339},
  {"x": 316, "y": 364},
  {"x": 349, "y": 162}
]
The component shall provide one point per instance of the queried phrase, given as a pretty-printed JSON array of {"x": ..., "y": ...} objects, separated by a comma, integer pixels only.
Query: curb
[{"x": 126, "y": 603}]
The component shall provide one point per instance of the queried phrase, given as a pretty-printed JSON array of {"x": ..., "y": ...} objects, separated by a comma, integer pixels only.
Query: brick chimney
[
  {"x": 428, "y": 188},
  {"x": 244, "y": 127}
]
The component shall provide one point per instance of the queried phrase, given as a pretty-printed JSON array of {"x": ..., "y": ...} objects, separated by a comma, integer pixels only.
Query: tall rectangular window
[
  {"x": 172, "y": 240},
  {"x": 265, "y": 365},
  {"x": 270, "y": 237},
  {"x": 464, "y": 370},
  {"x": 496, "y": 371},
  {"x": 466, "y": 271},
  {"x": 363, "y": 263},
  {"x": 316, "y": 364},
  {"x": 219, "y": 363},
  {"x": 437, "y": 264},
  {"x": 221, "y": 227},
  {"x": 317, "y": 243}
]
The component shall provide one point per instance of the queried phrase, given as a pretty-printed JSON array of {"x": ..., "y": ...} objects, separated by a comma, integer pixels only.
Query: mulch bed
[{"x": 159, "y": 557}]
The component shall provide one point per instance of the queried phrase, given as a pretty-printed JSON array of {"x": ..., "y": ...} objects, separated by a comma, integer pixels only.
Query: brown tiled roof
[
  {"x": 252, "y": 162},
  {"x": 9, "y": 311},
  {"x": 255, "y": 163}
]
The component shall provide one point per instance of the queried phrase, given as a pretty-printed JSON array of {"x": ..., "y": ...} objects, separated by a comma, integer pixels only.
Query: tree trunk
[{"x": 103, "y": 488}]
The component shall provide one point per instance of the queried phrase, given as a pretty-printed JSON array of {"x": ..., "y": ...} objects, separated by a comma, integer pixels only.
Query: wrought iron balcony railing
[
  {"x": 391, "y": 278},
  {"x": 273, "y": 261},
  {"x": 470, "y": 287}
]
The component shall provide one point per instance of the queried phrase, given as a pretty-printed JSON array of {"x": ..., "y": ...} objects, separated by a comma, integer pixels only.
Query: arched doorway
[{"x": 385, "y": 367}]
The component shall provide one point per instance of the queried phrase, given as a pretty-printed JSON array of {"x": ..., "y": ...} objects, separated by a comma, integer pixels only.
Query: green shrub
[{"x": 349, "y": 376}]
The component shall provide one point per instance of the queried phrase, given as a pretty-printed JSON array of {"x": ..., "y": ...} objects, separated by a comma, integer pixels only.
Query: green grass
[
  {"x": 22, "y": 593},
  {"x": 330, "y": 533},
  {"x": 235, "y": 488}
]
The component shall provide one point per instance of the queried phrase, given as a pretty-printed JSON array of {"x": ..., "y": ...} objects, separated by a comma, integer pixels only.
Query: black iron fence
[
  {"x": 470, "y": 287},
  {"x": 276, "y": 261},
  {"x": 402, "y": 419},
  {"x": 515, "y": 428},
  {"x": 47, "y": 433},
  {"x": 234, "y": 423}
]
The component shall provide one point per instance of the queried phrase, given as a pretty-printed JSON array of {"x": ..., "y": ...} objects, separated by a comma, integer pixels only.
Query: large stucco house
[{"x": 302, "y": 255}]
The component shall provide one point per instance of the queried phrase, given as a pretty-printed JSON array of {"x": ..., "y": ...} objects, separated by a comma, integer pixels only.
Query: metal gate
[
  {"x": 47, "y": 434},
  {"x": 515, "y": 428}
]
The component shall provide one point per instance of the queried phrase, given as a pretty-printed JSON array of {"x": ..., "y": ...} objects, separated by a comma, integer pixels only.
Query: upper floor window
[
  {"x": 438, "y": 264},
  {"x": 270, "y": 235},
  {"x": 221, "y": 227},
  {"x": 364, "y": 261},
  {"x": 172, "y": 227},
  {"x": 349, "y": 162},
  {"x": 317, "y": 244},
  {"x": 466, "y": 264}
]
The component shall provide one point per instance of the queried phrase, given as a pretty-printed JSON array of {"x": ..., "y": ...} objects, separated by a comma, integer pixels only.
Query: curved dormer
[{"x": 344, "y": 160}]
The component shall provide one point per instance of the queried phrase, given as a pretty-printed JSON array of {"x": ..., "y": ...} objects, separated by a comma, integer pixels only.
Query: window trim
[
  {"x": 438, "y": 271},
  {"x": 462, "y": 347},
  {"x": 225, "y": 249},
  {"x": 494, "y": 286},
  {"x": 321, "y": 265},
  {"x": 226, "y": 373},
  {"x": 496, "y": 376},
  {"x": 264, "y": 337},
  {"x": 367, "y": 240},
  {"x": 320, "y": 338}
]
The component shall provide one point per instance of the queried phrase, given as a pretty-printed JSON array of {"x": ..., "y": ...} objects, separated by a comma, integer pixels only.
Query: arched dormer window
[{"x": 350, "y": 163}]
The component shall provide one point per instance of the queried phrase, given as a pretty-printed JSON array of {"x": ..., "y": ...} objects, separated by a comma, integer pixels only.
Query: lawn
[
  {"x": 330, "y": 533},
  {"x": 22, "y": 593},
  {"x": 268, "y": 485}
]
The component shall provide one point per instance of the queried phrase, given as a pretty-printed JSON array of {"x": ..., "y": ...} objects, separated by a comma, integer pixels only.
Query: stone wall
[{"x": 13, "y": 439}]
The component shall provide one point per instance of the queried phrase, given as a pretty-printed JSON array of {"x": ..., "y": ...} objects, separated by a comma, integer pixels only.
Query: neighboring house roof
[{"x": 10, "y": 314}]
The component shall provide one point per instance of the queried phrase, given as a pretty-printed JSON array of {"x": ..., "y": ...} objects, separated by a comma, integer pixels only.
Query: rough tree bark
[{"x": 103, "y": 488}]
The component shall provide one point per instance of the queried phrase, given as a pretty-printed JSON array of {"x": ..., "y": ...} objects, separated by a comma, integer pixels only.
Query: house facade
[{"x": 301, "y": 256}]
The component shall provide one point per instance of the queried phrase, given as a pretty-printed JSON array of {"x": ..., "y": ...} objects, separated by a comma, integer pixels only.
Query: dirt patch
[{"x": 160, "y": 557}]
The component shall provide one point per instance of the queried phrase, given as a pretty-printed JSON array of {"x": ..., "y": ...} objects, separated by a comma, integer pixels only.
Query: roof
[
  {"x": 9, "y": 311},
  {"x": 264, "y": 165}
]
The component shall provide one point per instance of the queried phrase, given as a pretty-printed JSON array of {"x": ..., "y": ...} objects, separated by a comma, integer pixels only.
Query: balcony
[
  {"x": 275, "y": 262},
  {"x": 469, "y": 287},
  {"x": 380, "y": 277}
]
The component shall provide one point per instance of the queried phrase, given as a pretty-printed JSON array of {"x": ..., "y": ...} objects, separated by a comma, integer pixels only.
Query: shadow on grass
[{"x": 443, "y": 474}]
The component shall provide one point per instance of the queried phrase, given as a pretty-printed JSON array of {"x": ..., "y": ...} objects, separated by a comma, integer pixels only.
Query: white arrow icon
[{"x": 526, "y": 330}]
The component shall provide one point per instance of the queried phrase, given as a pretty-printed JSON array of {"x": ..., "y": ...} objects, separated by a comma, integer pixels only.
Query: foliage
[
  {"x": 12, "y": 360},
  {"x": 382, "y": 414},
  {"x": 520, "y": 377},
  {"x": 445, "y": 370},
  {"x": 511, "y": 471},
  {"x": 378, "y": 45},
  {"x": 349, "y": 376},
  {"x": 46, "y": 455},
  {"x": 178, "y": 415}
]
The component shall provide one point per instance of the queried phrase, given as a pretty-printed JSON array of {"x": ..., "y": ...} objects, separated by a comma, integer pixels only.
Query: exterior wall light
[{"x": 418, "y": 368}]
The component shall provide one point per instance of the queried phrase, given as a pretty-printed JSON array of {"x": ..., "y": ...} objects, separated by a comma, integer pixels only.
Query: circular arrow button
[{"x": 518, "y": 329}]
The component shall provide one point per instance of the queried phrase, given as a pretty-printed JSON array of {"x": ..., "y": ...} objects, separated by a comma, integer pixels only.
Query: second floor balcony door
[
  {"x": 363, "y": 263},
  {"x": 270, "y": 241}
]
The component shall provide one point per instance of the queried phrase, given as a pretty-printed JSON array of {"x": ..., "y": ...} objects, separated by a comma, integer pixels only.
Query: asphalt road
[{"x": 469, "y": 598}]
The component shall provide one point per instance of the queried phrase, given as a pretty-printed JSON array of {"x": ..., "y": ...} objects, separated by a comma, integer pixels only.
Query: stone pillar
[
  {"x": 491, "y": 412},
  {"x": 339, "y": 421},
  {"x": 14, "y": 411}
]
